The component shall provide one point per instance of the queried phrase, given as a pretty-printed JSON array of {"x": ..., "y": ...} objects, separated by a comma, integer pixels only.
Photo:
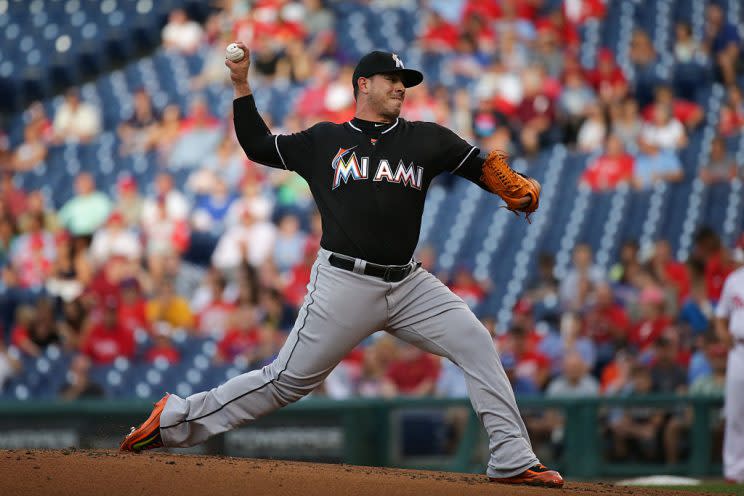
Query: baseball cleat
[
  {"x": 147, "y": 435},
  {"x": 538, "y": 475}
]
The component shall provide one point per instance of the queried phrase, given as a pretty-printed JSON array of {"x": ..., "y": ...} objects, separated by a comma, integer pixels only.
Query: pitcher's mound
[{"x": 110, "y": 473}]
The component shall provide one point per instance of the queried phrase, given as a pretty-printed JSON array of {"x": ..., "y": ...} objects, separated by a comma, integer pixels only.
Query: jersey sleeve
[
  {"x": 453, "y": 151},
  {"x": 460, "y": 157},
  {"x": 286, "y": 151}
]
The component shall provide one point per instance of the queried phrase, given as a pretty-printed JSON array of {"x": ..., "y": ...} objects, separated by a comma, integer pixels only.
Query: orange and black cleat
[
  {"x": 538, "y": 475},
  {"x": 147, "y": 435}
]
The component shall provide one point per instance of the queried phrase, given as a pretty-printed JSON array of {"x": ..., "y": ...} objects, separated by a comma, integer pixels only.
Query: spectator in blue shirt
[{"x": 724, "y": 44}]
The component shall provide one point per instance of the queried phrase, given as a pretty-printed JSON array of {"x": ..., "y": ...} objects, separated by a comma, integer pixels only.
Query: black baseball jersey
[{"x": 368, "y": 179}]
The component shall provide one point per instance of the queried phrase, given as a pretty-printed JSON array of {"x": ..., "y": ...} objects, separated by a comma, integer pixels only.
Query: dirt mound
[{"x": 96, "y": 472}]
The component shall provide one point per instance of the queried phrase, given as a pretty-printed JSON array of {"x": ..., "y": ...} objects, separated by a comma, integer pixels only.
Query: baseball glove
[{"x": 510, "y": 185}]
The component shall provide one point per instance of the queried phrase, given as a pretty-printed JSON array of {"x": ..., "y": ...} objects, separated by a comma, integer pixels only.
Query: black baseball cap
[{"x": 378, "y": 62}]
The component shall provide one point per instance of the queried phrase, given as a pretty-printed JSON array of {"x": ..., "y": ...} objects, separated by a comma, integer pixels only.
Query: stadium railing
[{"x": 371, "y": 432}]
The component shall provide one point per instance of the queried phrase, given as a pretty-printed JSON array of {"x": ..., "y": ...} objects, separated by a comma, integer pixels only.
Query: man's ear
[{"x": 363, "y": 84}]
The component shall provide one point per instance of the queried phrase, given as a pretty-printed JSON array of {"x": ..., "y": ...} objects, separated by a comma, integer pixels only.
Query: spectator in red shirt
[
  {"x": 610, "y": 170},
  {"x": 608, "y": 79},
  {"x": 105, "y": 284},
  {"x": 35, "y": 328},
  {"x": 606, "y": 323},
  {"x": 492, "y": 10},
  {"x": 705, "y": 245},
  {"x": 242, "y": 338},
  {"x": 199, "y": 118},
  {"x": 688, "y": 113},
  {"x": 668, "y": 271},
  {"x": 215, "y": 318},
  {"x": 33, "y": 254},
  {"x": 107, "y": 338},
  {"x": 439, "y": 35},
  {"x": 719, "y": 266},
  {"x": 132, "y": 311},
  {"x": 466, "y": 287},
  {"x": 522, "y": 318},
  {"x": 12, "y": 198},
  {"x": 413, "y": 373},
  {"x": 527, "y": 368},
  {"x": 653, "y": 320},
  {"x": 478, "y": 31},
  {"x": 162, "y": 349},
  {"x": 311, "y": 101},
  {"x": 489, "y": 10},
  {"x": 535, "y": 113},
  {"x": 732, "y": 112},
  {"x": 567, "y": 33},
  {"x": 38, "y": 119},
  {"x": 712, "y": 259},
  {"x": 299, "y": 277}
]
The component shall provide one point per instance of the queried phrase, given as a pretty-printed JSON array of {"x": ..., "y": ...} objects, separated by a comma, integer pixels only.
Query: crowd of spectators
[{"x": 92, "y": 274}]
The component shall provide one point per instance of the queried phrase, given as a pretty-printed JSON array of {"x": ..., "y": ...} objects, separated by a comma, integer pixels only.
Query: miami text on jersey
[{"x": 346, "y": 165}]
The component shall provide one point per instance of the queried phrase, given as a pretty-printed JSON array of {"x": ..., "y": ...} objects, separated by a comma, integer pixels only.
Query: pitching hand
[{"x": 239, "y": 70}]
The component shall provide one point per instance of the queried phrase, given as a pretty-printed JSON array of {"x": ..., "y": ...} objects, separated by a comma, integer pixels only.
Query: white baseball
[{"x": 234, "y": 53}]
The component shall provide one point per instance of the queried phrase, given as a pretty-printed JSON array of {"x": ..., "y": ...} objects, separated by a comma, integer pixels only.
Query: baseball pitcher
[{"x": 369, "y": 178}]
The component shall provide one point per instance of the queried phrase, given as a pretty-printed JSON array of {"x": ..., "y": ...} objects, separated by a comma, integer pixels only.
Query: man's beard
[{"x": 385, "y": 108}]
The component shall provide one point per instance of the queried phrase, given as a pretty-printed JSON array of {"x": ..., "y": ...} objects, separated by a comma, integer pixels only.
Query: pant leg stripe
[{"x": 307, "y": 312}]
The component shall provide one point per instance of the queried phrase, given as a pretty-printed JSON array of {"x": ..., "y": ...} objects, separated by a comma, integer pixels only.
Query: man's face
[
  {"x": 84, "y": 184},
  {"x": 582, "y": 256},
  {"x": 642, "y": 383},
  {"x": 614, "y": 146},
  {"x": 605, "y": 298},
  {"x": 163, "y": 184},
  {"x": 110, "y": 318},
  {"x": 663, "y": 251},
  {"x": 573, "y": 367},
  {"x": 141, "y": 100},
  {"x": 665, "y": 354},
  {"x": 386, "y": 94},
  {"x": 714, "y": 16}
]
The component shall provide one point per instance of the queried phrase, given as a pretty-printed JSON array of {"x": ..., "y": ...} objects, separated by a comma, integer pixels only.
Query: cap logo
[{"x": 398, "y": 62}]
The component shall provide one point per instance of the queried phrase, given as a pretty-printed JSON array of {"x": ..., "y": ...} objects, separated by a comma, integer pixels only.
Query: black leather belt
[{"x": 388, "y": 273}]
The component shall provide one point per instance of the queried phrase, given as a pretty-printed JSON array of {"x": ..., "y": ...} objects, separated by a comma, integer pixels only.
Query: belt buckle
[{"x": 389, "y": 271}]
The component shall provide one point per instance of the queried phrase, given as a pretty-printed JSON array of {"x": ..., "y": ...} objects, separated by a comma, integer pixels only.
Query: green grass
[{"x": 710, "y": 487}]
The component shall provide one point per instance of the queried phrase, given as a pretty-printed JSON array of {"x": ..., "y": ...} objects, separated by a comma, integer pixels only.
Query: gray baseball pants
[{"x": 340, "y": 309}]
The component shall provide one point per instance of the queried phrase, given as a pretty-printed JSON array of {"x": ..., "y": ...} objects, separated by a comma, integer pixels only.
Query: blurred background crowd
[{"x": 141, "y": 250}]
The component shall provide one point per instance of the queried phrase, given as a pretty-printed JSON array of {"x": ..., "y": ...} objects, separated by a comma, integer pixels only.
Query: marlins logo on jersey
[{"x": 346, "y": 165}]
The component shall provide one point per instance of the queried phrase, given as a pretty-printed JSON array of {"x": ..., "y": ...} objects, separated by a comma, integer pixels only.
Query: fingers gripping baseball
[{"x": 238, "y": 68}]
